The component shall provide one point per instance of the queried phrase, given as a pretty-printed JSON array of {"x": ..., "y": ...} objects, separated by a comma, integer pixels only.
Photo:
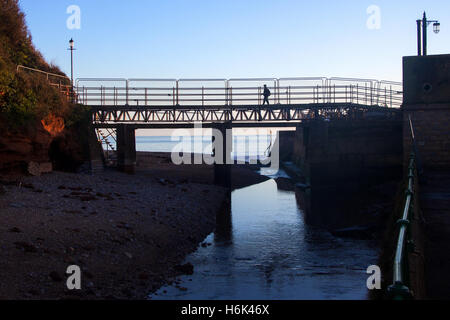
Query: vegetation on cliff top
[{"x": 24, "y": 96}]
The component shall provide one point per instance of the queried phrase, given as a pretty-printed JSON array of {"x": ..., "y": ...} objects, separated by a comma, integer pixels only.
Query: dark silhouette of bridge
[
  {"x": 180, "y": 103},
  {"x": 120, "y": 106}
]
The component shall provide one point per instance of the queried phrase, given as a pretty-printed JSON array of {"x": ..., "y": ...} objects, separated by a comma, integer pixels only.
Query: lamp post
[
  {"x": 422, "y": 26},
  {"x": 71, "y": 48}
]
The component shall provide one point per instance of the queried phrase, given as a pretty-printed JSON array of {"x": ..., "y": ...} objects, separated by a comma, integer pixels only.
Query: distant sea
[{"x": 244, "y": 147}]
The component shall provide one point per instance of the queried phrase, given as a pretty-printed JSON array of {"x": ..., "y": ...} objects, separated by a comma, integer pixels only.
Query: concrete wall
[
  {"x": 355, "y": 151},
  {"x": 341, "y": 160},
  {"x": 427, "y": 102}
]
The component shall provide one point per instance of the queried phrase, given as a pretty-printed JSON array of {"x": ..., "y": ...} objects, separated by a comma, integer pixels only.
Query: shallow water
[{"x": 266, "y": 251}]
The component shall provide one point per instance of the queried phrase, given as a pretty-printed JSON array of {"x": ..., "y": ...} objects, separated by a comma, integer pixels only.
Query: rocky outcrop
[
  {"x": 69, "y": 150},
  {"x": 53, "y": 125},
  {"x": 19, "y": 148},
  {"x": 46, "y": 146}
]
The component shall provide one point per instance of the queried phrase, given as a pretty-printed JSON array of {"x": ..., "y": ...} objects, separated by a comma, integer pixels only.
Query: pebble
[{"x": 129, "y": 255}]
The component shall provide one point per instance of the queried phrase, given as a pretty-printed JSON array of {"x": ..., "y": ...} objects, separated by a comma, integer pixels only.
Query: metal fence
[
  {"x": 237, "y": 92},
  {"x": 61, "y": 82}
]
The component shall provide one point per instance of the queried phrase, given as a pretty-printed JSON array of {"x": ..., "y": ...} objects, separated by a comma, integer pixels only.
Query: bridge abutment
[
  {"x": 126, "y": 148},
  {"x": 341, "y": 159},
  {"x": 427, "y": 102},
  {"x": 427, "y": 106}
]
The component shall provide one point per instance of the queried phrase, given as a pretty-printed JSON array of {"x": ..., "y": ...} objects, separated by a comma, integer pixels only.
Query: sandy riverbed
[{"x": 127, "y": 233}]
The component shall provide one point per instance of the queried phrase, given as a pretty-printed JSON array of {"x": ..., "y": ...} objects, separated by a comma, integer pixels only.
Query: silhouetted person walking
[{"x": 266, "y": 95}]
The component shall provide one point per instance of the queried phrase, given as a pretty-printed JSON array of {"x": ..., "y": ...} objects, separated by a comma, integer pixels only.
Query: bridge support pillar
[
  {"x": 126, "y": 148},
  {"x": 222, "y": 167}
]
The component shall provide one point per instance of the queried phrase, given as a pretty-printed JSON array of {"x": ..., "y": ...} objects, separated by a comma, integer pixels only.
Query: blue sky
[{"x": 234, "y": 38}]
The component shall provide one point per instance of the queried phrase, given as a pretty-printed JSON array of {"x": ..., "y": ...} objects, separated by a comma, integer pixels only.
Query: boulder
[{"x": 34, "y": 169}]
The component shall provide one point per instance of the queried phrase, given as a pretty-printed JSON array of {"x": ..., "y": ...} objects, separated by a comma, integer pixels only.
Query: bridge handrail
[
  {"x": 235, "y": 88},
  {"x": 324, "y": 90},
  {"x": 399, "y": 289}
]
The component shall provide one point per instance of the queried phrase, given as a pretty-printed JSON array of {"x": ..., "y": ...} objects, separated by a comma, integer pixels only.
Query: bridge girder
[{"x": 240, "y": 114}]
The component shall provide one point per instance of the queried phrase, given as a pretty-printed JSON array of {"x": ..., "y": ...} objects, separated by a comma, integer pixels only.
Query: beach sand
[{"x": 129, "y": 234}]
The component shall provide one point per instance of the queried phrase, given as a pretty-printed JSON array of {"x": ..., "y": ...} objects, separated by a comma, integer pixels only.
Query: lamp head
[
  {"x": 436, "y": 27},
  {"x": 71, "y": 43}
]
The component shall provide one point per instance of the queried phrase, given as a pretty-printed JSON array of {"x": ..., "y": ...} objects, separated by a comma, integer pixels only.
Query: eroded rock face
[
  {"x": 48, "y": 144},
  {"x": 53, "y": 125},
  {"x": 18, "y": 149}
]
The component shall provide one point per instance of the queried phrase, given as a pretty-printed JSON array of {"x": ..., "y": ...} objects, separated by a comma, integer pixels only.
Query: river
[{"x": 265, "y": 251}]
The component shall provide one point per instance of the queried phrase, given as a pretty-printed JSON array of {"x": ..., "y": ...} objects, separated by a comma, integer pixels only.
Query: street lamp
[
  {"x": 436, "y": 27},
  {"x": 422, "y": 26},
  {"x": 71, "y": 48}
]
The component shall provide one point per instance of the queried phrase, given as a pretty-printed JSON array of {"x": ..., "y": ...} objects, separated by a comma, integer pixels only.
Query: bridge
[
  {"x": 120, "y": 106},
  {"x": 179, "y": 103}
]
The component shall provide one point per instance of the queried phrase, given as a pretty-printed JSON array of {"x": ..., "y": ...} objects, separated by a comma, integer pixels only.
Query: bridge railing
[{"x": 237, "y": 92}]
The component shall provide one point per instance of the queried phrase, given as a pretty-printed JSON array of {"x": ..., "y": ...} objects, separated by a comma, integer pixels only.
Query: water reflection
[
  {"x": 224, "y": 224},
  {"x": 264, "y": 250}
]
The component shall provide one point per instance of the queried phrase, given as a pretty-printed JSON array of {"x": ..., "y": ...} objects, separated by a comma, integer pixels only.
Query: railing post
[
  {"x": 231, "y": 93},
  {"x": 226, "y": 94},
  {"x": 173, "y": 96},
  {"x": 385, "y": 96},
  {"x": 314, "y": 95},
  {"x": 351, "y": 93},
  {"x": 391, "y": 94},
  {"x": 378, "y": 93},
  {"x": 366, "y": 95},
  {"x": 278, "y": 84},
  {"x": 145, "y": 96},
  {"x": 371, "y": 95},
  {"x": 178, "y": 87},
  {"x": 126, "y": 93},
  {"x": 289, "y": 97},
  {"x": 203, "y": 96},
  {"x": 334, "y": 93},
  {"x": 357, "y": 93},
  {"x": 259, "y": 96}
]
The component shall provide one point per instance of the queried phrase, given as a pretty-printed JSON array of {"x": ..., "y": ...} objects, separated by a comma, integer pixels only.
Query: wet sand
[{"x": 160, "y": 164}]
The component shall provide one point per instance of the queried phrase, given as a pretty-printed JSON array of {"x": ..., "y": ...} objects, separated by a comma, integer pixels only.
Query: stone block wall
[{"x": 427, "y": 103}]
